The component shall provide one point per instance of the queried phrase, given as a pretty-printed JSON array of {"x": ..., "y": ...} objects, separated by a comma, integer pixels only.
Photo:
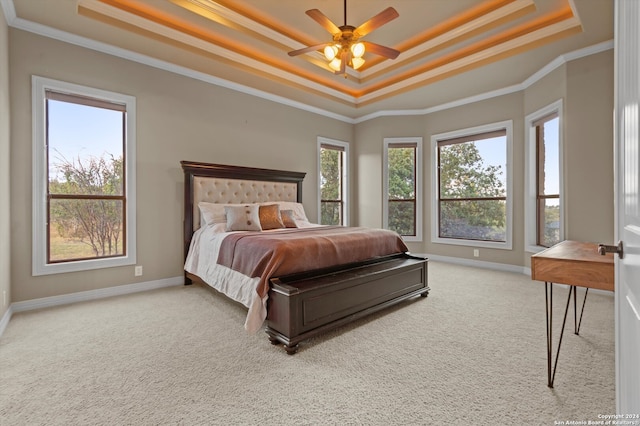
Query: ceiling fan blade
[
  {"x": 380, "y": 19},
  {"x": 387, "y": 52},
  {"x": 321, "y": 19},
  {"x": 308, "y": 49}
]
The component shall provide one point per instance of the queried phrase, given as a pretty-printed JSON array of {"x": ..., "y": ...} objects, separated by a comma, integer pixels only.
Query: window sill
[
  {"x": 81, "y": 265},
  {"x": 474, "y": 243}
]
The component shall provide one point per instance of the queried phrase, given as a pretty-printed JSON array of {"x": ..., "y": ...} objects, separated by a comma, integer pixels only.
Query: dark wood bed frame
[{"x": 306, "y": 304}]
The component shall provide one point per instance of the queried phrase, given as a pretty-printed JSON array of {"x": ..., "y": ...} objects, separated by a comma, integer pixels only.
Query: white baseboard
[
  {"x": 479, "y": 264},
  {"x": 5, "y": 319},
  {"x": 47, "y": 302},
  {"x": 500, "y": 267}
]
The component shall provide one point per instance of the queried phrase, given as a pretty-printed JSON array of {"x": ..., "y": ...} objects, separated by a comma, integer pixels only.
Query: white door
[{"x": 627, "y": 175}]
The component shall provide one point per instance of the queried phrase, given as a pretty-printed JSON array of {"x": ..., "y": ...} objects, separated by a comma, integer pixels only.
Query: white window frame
[
  {"x": 389, "y": 142},
  {"x": 40, "y": 179},
  {"x": 530, "y": 216},
  {"x": 345, "y": 177},
  {"x": 435, "y": 219}
]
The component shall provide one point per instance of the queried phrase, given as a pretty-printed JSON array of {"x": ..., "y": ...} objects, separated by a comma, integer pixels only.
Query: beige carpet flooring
[{"x": 472, "y": 353}]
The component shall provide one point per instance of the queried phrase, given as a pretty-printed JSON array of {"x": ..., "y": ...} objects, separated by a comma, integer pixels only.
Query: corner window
[
  {"x": 472, "y": 186},
  {"x": 544, "y": 215},
  {"x": 333, "y": 158},
  {"x": 402, "y": 205},
  {"x": 84, "y": 177}
]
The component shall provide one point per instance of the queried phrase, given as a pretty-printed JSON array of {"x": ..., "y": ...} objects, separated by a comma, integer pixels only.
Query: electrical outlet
[
  {"x": 138, "y": 271},
  {"x": 476, "y": 253}
]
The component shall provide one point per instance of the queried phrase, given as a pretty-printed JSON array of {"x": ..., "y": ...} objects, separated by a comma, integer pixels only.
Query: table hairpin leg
[
  {"x": 548, "y": 292},
  {"x": 575, "y": 312}
]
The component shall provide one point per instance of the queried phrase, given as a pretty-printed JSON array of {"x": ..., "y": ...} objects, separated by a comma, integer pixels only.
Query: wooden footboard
[{"x": 306, "y": 304}]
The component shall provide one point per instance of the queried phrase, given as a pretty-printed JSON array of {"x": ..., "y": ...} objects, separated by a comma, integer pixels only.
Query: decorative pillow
[
  {"x": 243, "y": 218},
  {"x": 298, "y": 209},
  {"x": 270, "y": 217},
  {"x": 287, "y": 219}
]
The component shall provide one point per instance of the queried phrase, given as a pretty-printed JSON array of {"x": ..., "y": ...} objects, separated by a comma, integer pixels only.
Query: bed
[{"x": 290, "y": 289}]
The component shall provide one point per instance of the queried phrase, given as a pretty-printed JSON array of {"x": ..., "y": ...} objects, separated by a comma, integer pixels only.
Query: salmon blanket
[{"x": 273, "y": 254}]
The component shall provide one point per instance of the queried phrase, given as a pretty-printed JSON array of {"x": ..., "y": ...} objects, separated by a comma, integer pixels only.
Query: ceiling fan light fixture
[
  {"x": 330, "y": 52},
  {"x": 335, "y": 64},
  {"x": 357, "y": 50},
  {"x": 345, "y": 49},
  {"x": 357, "y": 63}
]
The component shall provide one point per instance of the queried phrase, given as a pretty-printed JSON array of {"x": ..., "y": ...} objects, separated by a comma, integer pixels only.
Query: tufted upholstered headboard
[{"x": 216, "y": 183}]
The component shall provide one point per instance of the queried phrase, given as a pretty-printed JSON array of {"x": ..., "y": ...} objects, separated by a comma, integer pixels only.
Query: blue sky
[
  {"x": 79, "y": 130},
  {"x": 84, "y": 131},
  {"x": 551, "y": 169},
  {"x": 493, "y": 153}
]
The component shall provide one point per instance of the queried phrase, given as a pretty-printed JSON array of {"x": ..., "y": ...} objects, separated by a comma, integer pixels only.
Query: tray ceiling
[{"x": 449, "y": 49}]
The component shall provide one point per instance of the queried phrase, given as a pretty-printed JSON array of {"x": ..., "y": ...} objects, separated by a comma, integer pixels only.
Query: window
[
  {"x": 544, "y": 216},
  {"x": 402, "y": 206},
  {"x": 333, "y": 158},
  {"x": 472, "y": 186},
  {"x": 84, "y": 178}
]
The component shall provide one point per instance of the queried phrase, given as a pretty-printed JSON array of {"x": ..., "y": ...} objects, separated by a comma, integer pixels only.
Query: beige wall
[
  {"x": 546, "y": 91},
  {"x": 178, "y": 118},
  {"x": 5, "y": 134},
  {"x": 589, "y": 149},
  {"x": 369, "y": 137},
  {"x": 585, "y": 85}
]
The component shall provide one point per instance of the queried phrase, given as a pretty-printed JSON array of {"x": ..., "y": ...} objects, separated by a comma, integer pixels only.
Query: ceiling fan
[{"x": 346, "y": 49}]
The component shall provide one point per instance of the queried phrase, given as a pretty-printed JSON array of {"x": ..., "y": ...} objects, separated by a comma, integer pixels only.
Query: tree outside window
[
  {"x": 331, "y": 184},
  {"x": 86, "y": 182},
  {"x": 472, "y": 196},
  {"x": 544, "y": 217},
  {"x": 402, "y": 163},
  {"x": 547, "y": 181}
]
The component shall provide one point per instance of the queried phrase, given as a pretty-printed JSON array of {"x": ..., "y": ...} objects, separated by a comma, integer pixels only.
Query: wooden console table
[{"x": 577, "y": 264}]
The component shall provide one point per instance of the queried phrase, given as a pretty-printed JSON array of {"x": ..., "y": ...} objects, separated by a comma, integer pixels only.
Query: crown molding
[
  {"x": 442, "y": 107},
  {"x": 74, "y": 39},
  {"x": 9, "y": 11},
  {"x": 567, "y": 57},
  {"x": 537, "y": 76}
]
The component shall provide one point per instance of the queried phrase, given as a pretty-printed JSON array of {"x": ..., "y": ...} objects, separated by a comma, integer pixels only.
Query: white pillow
[
  {"x": 211, "y": 213},
  {"x": 218, "y": 228}
]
